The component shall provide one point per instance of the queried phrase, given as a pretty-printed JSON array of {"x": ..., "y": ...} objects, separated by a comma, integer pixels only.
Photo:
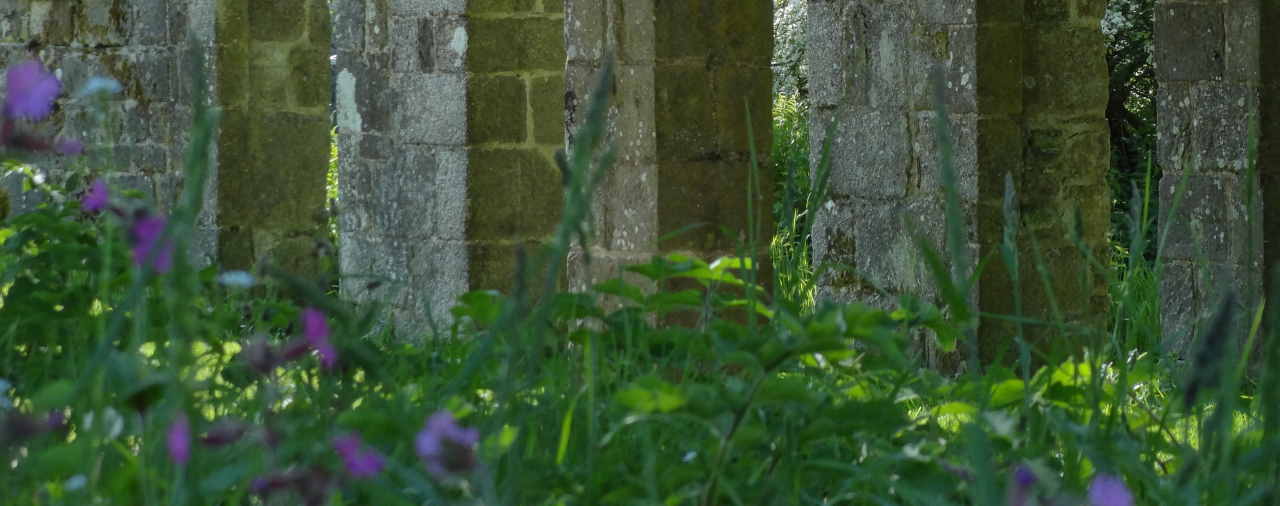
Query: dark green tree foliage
[{"x": 1131, "y": 108}]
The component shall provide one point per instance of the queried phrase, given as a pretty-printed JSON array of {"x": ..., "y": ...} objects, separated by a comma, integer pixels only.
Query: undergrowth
[{"x": 132, "y": 380}]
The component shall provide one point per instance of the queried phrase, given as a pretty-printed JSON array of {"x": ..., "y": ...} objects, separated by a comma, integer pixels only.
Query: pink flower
[
  {"x": 96, "y": 197},
  {"x": 1109, "y": 490},
  {"x": 31, "y": 91},
  {"x": 316, "y": 330},
  {"x": 360, "y": 462},
  {"x": 446, "y": 447},
  {"x": 144, "y": 237},
  {"x": 179, "y": 440}
]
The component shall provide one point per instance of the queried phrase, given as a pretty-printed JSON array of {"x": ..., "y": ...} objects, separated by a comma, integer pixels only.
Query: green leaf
[
  {"x": 1007, "y": 392},
  {"x": 785, "y": 389},
  {"x": 650, "y": 394},
  {"x": 620, "y": 288},
  {"x": 482, "y": 306},
  {"x": 56, "y": 395}
]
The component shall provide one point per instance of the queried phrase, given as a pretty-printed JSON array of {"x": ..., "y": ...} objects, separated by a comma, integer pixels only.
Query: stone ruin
[{"x": 448, "y": 114}]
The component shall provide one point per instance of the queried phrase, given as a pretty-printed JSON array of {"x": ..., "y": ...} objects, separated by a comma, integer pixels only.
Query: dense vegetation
[{"x": 131, "y": 377}]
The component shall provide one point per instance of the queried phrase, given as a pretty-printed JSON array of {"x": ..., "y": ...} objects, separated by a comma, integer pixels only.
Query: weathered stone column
[
  {"x": 141, "y": 139},
  {"x": 449, "y": 115},
  {"x": 1219, "y": 90},
  {"x": 273, "y": 82},
  {"x": 1025, "y": 88},
  {"x": 686, "y": 72}
]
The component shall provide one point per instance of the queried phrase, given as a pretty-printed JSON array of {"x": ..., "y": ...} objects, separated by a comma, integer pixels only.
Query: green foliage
[
  {"x": 706, "y": 390},
  {"x": 1131, "y": 107}
]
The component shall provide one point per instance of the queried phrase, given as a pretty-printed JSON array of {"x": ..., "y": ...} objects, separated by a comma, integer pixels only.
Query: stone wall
[
  {"x": 1025, "y": 87},
  {"x": 140, "y": 43},
  {"x": 449, "y": 113},
  {"x": 269, "y": 73},
  {"x": 1219, "y": 91},
  {"x": 273, "y": 83},
  {"x": 686, "y": 73}
]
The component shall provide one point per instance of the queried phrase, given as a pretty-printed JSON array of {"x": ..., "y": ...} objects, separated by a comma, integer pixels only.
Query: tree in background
[
  {"x": 1131, "y": 109},
  {"x": 790, "y": 21}
]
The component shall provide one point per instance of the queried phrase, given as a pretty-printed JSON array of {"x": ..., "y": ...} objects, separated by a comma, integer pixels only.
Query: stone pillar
[
  {"x": 1025, "y": 87},
  {"x": 449, "y": 115},
  {"x": 1219, "y": 90},
  {"x": 273, "y": 83},
  {"x": 686, "y": 72},
  {"x": 141, "y": 138}
]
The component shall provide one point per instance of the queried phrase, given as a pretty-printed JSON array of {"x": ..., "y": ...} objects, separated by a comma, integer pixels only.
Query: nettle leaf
[
  {"x": 670, "y": 266},
  {"x": 785, "y": 389},
  {"x": 574, "y": 306},
  {"x": 1007, "y": 392},
  {"x": 481, "y": 306},
  {"x": 619, "y": 288},
  {"x": 56, "y": 395},
  {"x": 664, "y": 302},
  {"x": 651, "y": 394}
]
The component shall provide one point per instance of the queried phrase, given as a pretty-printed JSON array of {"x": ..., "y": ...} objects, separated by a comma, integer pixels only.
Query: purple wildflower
[
  {"x": 96, "y": 197},
  {"x": 179, "y": 440},
  {"x": 144, "y": 236},
  {"x": 316, "y": 330},
  {"x": 68, "y": 147},
  {"x": 31, "y": 91},
  {"x": 360, "y": 462},
  {"x": 1109, "y": 490},
  {"x": 446, "y": 447},
  {"x": 1020, "y": 491}
]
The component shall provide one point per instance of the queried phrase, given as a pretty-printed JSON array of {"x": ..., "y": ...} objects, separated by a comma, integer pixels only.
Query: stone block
[
  {"x": 432, "y": 110},
  {"x": 508, "y": 44},
  {"x": 586, "y": 31},
  {"x": 532, "y": 187},
  {"x": 1190, "y": 42},
  {"x": 684, "y": 103},
  {"x": 1206, "y": 125},
  {"x": 1205, "y": 216},
  {"x": 475, "y": 7},
  {"x": 741, "y": 93},
  {"x": 1065, "y": 71},
  {"x": 310, "y": 77},
  {"x": 451, "y": 42},
  {"x": 871, "y": 155},
  {"x": 1243, "y": 41},
  {"x": 965, "y": 135},
  {"x": 546, "y": 100},
  {"x": 497, "y": 109},
  {"x": 278, "y": 20},
  {"x": 347, "y": 19}
]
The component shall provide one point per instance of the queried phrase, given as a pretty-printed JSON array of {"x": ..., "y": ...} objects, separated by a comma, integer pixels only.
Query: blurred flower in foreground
[
  {"x": 1020, "y": 491},
  {"x": 96, "y": 197},
  {"x": 360, "y": 462},
  {"x": 30, "y": 91},
  {"x": 178, "y": 440},
  {"x": 446, "y": 447},
  {"x": 1109, "y": 490},
  {"x": 312, "y": 485},
  {"x": 316, "y": 330},
  {"x": 144, "y": 237}
]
